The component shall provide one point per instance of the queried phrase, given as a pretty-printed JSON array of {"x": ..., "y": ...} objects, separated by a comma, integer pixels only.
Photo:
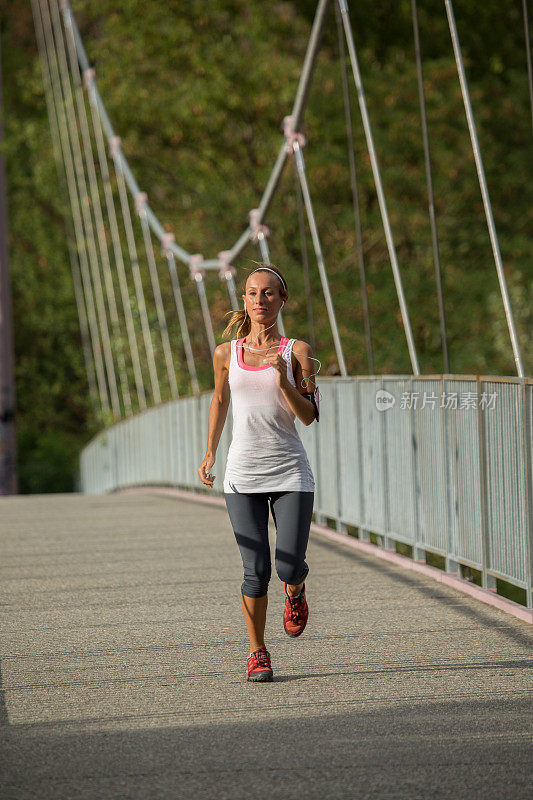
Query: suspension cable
[
  {"x": 182, "y": 316},
  {"x": 57, "y": 44},
  {"x": 114, "y": 146},
  {"x": 74, "y": 257},
  {"x": 296, "y": 113},
  {"x": 528, "y": 55},
  {"x": 132, "y": 184},
  {"x": 295, "y": 141},
  {"x": 355, "y": 193},
  {"x": 227, "y": 272},
  {"x": 198, "y": 275},
  {"x": 305, "y": 259},
  {"x": 117, "y": 247},
  {"x": 51, "y": 69},
  {"x": 122, "y": 172},
  {"x": 273, "y": 181},
  {"x": 429, "y": 181},
  {"x": 483, "y": 186},
  {"x": 140, "y": 204},
  {"x": 97, "y": 208},
  {"x": 379, "y": 188}
]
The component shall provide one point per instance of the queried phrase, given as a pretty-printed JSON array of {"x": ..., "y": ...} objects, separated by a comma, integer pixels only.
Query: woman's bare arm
[
  {"x": 305, "y": 368},
  {"x": 303, "y": 371},
  {"x": 217, "y": 411}
]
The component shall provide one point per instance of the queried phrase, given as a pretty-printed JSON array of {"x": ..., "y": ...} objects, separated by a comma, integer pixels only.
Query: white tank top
[{"x": 266, "y": 453}]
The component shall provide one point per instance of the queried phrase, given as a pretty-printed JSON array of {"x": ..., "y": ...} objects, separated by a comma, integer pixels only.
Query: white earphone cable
[{"x": 265, "y": 349}]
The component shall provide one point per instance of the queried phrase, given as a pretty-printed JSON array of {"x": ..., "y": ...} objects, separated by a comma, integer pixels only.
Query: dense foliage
[{"x": 197, "y": 91}]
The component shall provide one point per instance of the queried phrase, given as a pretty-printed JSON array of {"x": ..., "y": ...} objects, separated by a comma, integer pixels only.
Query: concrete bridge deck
[{"x": 123, "y": 654}]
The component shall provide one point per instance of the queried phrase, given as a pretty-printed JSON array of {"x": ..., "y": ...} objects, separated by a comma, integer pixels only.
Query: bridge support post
[
  {"x": 487, "y": 581},
  {"x": 384, "y": 539},
  {"x": 341, "y": 526},
  {"x": 453, "y": 567},
  {"x": 527, "y": 403},
  {"x": 419, "y": 554}
]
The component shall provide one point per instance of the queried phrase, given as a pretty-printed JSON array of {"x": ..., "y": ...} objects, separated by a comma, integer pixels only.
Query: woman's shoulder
[
  {"x": 301, "y": 348},
  {"x": 222, "y": 354}
]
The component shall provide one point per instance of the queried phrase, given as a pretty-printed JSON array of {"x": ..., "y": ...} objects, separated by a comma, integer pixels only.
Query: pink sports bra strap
[{"x": 237, "y": 347}]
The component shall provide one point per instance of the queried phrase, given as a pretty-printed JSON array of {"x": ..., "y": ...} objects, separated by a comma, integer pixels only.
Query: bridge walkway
[{"x": 123, "y": 654}]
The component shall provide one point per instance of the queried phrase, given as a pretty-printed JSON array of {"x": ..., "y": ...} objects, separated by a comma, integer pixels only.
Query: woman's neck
[{"x": 262, "y": 336}]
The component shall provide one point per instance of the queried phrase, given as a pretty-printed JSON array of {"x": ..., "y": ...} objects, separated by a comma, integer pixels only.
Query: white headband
[{"x": 272, "y": 271}]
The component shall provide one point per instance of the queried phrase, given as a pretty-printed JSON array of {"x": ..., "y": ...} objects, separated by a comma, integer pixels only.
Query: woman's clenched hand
[{"x": 204, "y": 471}]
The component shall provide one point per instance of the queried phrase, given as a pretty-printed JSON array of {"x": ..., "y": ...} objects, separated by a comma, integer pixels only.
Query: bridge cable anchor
[
  {"x": 292, "y": 137},
  {"x": 195, "y": 271},
  {"x": 259, "y": 230},
  {"x": 88, "y": 79},
  {"x": 114, "y": 146},
  {"x": 166, "y": 241},
  {"x": 140, "y": 199},
  {"x": 226, "y": 270}
]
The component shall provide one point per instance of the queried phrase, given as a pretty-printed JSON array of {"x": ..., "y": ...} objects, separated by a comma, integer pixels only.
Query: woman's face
[{"x": 263, "y": 299}]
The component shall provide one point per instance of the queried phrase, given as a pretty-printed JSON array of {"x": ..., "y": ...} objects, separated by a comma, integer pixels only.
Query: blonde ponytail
[{"x": 240, "y": 317}]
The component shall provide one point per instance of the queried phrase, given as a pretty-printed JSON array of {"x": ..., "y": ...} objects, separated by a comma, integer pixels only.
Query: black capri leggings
[{"x": 291, "y": 512}]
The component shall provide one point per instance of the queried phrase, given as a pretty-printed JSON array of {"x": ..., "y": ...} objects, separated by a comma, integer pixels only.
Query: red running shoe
[
  {"x": 259, "y": 667},
  {"x": 295, "y": 612}
]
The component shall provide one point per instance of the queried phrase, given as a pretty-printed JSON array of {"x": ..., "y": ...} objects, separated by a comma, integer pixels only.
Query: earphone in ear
[{"x": 282, "y": 304}]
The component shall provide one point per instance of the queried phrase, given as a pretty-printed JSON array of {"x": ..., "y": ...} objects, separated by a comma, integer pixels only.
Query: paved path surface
[{"x": 123, "y": 654}]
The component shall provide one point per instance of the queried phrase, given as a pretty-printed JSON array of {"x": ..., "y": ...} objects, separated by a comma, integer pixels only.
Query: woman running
[{"x": 270, "y": 379}]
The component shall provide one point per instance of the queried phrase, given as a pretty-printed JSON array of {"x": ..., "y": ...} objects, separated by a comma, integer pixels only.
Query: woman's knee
[
  {"x": 256, "y": 579},
  {"x": 293, "y": 574}
]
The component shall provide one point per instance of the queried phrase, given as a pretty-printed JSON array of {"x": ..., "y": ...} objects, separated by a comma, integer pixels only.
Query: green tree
[{"x": 197, "y": 93}]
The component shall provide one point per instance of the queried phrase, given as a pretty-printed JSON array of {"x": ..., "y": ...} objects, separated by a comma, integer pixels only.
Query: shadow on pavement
[{"x": 405, "y": 751}]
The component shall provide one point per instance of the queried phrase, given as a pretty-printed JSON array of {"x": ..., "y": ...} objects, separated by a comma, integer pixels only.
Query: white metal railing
[{"x": 440, "y": 463}]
